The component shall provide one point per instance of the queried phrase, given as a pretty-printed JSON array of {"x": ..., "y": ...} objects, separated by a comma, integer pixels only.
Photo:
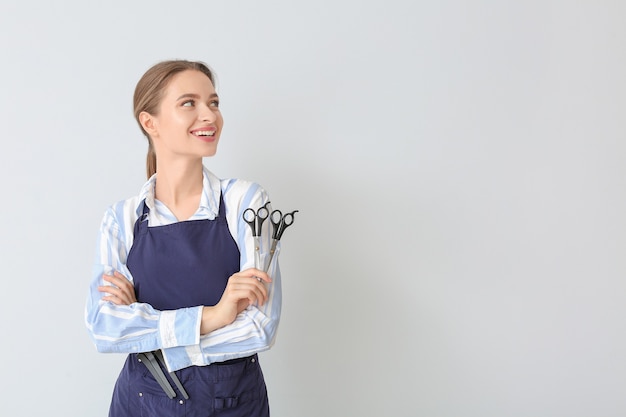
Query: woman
[{"x": 174, "y": 283}]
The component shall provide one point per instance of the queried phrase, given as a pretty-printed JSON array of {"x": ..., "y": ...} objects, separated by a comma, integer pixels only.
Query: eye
[
  {"x": 188, "y": 103},
  {"x": 214, "y": 103}
]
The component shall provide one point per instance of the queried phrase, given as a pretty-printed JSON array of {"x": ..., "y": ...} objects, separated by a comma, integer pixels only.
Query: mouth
[{"x": 204, "y": 132}]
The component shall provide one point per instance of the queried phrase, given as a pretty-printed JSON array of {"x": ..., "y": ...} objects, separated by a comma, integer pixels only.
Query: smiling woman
[{"x": 174, "y": 283}]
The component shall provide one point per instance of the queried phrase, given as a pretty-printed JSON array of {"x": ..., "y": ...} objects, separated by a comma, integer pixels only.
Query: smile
[{"x": 204, "y": 133}]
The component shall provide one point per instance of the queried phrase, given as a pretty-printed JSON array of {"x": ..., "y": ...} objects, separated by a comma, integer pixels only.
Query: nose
[{"x": 207, "y": 114}]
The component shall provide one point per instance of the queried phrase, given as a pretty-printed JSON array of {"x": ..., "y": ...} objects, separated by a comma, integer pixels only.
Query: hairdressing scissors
[
  {"x": 279, "y": 222},
  {"x": 255, "y": 220}
]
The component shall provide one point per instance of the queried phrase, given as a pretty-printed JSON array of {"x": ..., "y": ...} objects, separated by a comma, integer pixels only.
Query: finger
[
  {"x": 123, "y": 288},
  {"x": 261, "y": 289},
  {"x": 109, "y": 289},
  {"x": 251, "y": 282},
  {"x": 258, "y": 293},
  {"x": 248, "y": 289},
  {"x": 257, "y": 273},
  {"x": 242, "y": 305},
  {"x": 120, "y": 286},
  {"x": 121, "y": 277},
  {"x": 119, "y": 294},
  {"x": 257, "y": 298},
  {"x": 113, "y": 299},
  {"x": 250, "y": 277},
  {"x": 112, "y": 293},
  {"x": 113, "y": 280},
  {"x": 118, "y": 280}
]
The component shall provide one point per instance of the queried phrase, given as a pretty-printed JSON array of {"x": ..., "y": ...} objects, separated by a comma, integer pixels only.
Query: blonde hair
[{"x": 149, "y": 93}]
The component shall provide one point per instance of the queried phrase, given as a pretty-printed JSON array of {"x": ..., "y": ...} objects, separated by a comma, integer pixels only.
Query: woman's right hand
[
  {"x": 242, "y": 290},
  {"x": 120, "y": 292}
]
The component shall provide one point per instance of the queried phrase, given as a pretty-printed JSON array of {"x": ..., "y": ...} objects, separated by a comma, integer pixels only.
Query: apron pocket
[{"x": 153, "y": 406}]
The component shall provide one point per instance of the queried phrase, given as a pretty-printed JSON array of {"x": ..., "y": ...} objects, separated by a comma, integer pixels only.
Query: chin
[{"x": 210, "y": 153}]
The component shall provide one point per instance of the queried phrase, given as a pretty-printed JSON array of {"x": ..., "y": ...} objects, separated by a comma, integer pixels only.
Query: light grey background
[{"x": 458, "y": 165}]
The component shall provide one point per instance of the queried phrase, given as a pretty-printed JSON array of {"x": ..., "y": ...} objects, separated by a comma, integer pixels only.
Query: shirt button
[
  {"x": 141, "y": 394},
  {"x": 253, "y": 360},
  {"x": 181, "y": 402}
]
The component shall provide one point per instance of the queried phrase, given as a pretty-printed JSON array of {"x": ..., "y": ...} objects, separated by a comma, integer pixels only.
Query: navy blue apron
[{"x": 179, "y": 265}]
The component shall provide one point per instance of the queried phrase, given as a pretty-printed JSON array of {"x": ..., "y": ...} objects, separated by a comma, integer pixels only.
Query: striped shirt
[{"x": 139, "y": 327}]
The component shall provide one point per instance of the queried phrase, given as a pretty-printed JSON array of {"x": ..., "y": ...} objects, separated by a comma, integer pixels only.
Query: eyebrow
[{"x": 196, "y": 96}]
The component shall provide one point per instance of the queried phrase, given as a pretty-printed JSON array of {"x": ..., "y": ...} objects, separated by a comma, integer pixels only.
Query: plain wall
[{"x": 458, "y": 167}]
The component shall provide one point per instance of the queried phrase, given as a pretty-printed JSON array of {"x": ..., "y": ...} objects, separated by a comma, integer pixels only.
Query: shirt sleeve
[
  {"x": 254, "y": 330},
  {"x": 137, "y": 327}
]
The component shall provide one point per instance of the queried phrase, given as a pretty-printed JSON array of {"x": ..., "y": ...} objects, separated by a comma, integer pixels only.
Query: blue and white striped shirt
[{"x": 141, "y": 328}]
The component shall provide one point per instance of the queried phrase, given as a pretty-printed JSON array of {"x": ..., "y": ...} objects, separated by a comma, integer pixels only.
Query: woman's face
[{"x": 189, "y": 121}]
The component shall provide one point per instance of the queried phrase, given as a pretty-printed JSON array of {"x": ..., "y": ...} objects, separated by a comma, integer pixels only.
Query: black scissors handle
[
  {"x": 249, "y": 216},
  {"x": 255, "y": 219},
  {"x": 281, "y": 222},
  {"x": 261, "y": 215}
]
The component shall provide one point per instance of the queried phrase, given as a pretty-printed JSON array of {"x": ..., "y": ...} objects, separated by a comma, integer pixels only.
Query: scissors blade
[
  {"x": 257, "y": 252},
  {"x": 271, "y": 255}
]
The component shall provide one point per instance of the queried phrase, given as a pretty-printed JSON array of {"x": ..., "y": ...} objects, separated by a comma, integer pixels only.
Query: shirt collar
[{"x": 209, "y": 200}]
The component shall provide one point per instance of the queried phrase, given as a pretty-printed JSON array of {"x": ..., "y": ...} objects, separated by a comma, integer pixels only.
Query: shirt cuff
[
  {"x": 182, "y": 357},
  {"x": 180, "y": 327}
]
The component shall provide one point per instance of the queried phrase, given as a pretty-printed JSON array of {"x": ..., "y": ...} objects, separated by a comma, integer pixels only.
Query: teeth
[{"x": 206, "y": 133}]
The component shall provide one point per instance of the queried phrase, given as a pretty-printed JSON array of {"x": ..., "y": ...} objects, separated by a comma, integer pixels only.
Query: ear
[{"x": 148, "y": 123}]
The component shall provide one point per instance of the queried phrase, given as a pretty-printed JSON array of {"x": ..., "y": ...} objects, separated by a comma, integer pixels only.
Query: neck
[{"x": 179, "y": 187}]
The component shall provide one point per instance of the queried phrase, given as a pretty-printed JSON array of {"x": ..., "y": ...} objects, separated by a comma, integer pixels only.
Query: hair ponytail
[{"x": 151, "y": 162}]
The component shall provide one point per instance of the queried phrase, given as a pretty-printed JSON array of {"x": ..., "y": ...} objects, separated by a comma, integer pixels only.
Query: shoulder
[
  {"x": 122, "y": 213},
  {"x": 241, "y": 194},
  {"x": 127, "y": 210},
  {"x": 235, "y": 191},
  {"x": 241, "y": 187}
]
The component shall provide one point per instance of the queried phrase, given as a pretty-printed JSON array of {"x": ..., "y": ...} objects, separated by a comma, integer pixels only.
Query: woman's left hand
[{"x": 122, "y": 292}]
